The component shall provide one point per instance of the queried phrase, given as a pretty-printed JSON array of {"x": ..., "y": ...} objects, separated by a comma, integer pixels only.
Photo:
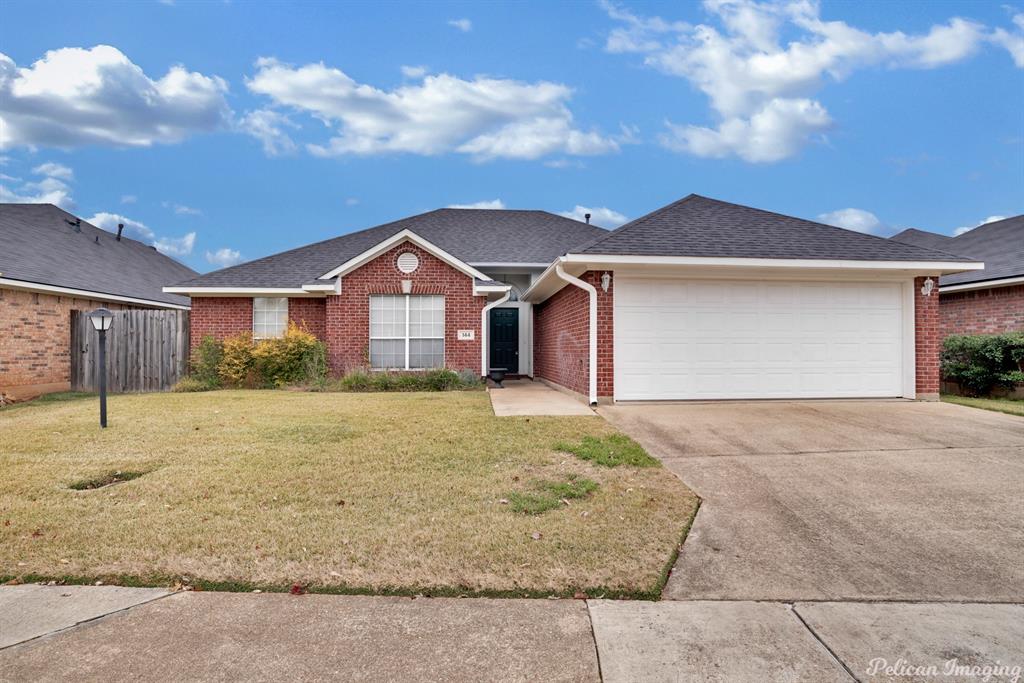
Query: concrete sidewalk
[
  {"x": 204, "y": 636},
  {"x": 526, "y": 397}
]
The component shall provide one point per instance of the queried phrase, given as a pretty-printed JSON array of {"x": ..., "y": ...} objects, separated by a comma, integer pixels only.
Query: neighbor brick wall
[
  {"x": 219, "y": 317},
  {"x": 310, "y": 314},
  {"x": 561, "y": 345},
  {"x": 927, "y": 340},
  {"x": 348, "y": 314},
  {"x": 982, "y": 311},
  {"x": 35, "y": 340}
]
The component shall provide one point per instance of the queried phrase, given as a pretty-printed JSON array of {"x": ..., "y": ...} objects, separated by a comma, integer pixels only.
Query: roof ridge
[{"x": 635, "y": 222}]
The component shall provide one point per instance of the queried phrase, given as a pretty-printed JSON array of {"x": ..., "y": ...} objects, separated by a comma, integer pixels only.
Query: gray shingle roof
[
  {"x": 38, "y": 245},
  {"x": 1000, "y": 245},
  {"x": 471, "y": 235},
  {"x": 699, "y": 226}
]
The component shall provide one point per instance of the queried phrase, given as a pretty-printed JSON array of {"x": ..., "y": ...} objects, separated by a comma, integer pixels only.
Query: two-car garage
[{"x": 685, "y": 339}]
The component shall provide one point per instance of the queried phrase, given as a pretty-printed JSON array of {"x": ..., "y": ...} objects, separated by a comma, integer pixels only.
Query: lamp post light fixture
[{"x": 101, "y": 319}]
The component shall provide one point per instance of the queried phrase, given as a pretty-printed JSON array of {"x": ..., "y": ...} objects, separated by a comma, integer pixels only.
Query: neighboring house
[
  {"x": 51, "y": 263},
  {"x": 701, "y": 299},
  {"x": 981, "y": 301}
]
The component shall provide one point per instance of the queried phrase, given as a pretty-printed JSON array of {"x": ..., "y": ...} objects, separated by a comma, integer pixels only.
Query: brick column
[
  {"x": 927, "y": 340},
  {"x": 605, "y": 332}
]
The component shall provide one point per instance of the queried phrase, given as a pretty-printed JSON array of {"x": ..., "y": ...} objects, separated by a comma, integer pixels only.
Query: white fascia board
[
  {"x": 939, "y": 267},
  {"x": 490, "y": 289},
  {"x": 510, "y": 264},
  {"x": 985, "y": 284},
  {"x": 327, "y": 287},
  {"x": 87, "y": 294},
  {"x": 396, "y": 239},
  {"x": 240, "y": 291}
]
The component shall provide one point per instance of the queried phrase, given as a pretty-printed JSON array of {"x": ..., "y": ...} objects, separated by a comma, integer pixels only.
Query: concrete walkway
[
  {"x": 272, "y": 637},
  {"x": 526, "y": 397}
]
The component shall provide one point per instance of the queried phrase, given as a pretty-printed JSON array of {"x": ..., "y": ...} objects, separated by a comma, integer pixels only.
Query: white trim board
[
  {"x": 922, "y": 266},
  {"x": 393, "y": 241},
  {"x": 243, "y": 291},
  {"x": 985, "y": 284},
  {"x": 87, "y": 294}
]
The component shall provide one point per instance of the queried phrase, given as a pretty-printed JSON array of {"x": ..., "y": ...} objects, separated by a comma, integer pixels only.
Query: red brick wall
[
  {"x": 348, "y": 314},
  {"x": 927, "y": 339},
  {"x": 982, "y": 311},
  {"x": 310, "y": 314},
  {"x": 35, "y": 340},
  {"x": 561, "y": 344},
  {"x": 219, "y": 317}
]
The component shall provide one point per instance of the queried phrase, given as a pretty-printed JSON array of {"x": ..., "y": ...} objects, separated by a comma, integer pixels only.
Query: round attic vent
[{"x": 408, "y": 262}]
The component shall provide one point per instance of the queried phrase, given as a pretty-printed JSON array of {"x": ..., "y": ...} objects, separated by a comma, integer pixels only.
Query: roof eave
[{"x": 44, "y": 288}]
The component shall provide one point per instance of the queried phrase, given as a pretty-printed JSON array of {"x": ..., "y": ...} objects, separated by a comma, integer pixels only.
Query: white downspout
[
  {"x": 483, "y": 331},
  {"x": 590, "y": 289}
]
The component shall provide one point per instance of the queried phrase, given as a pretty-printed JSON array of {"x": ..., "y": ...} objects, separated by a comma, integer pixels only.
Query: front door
[{"x": 505, "y": 339}]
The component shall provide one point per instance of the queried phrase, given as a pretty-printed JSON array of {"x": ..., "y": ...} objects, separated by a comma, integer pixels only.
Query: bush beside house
[{"x": 981, "y": 364}]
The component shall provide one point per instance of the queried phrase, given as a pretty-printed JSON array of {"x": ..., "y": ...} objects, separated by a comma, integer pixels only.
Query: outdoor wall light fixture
[
  {"x": 101, "y": 319},
  {"x": 606, "y": 280},
  {"x": 927, "y": 287}
]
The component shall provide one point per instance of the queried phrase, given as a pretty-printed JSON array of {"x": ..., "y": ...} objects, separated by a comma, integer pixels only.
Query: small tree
[{"x": 981, "y": 362}]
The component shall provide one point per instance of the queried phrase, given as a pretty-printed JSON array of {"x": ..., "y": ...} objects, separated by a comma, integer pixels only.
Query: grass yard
[
  {"x": 386, "y": 493},
  {"x": 1001, "y": 405}
]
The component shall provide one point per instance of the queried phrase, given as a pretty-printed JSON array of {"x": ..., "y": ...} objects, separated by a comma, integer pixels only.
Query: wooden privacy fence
[{"x": 147, "y": 350}]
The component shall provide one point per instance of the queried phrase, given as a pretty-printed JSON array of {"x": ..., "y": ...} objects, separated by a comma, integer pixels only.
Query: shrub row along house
[
  {"x": 52, "y": 263},
  {"x": 986, "y": 301},
  {"x": 701, "y": 299}
]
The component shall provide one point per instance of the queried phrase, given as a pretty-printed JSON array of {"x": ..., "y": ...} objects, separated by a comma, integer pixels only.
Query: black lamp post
[{"x": 101, "y": 319}]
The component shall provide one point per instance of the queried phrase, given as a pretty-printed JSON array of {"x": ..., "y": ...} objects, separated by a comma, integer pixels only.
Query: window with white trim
[
  {"x": 269, "y": 317},
  {"x": 406, "y": 331}
]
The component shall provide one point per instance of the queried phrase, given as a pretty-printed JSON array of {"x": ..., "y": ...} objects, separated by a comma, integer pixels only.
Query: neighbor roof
[
  {"x": 471, "y": 235},
  {"x": 40, "y": 245},
  {"x": 999, "y": 244},
  {"x": 699, "y": 226}
]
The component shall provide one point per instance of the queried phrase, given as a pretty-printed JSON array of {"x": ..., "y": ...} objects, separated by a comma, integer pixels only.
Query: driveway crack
[{"x": 828, "y": 649}]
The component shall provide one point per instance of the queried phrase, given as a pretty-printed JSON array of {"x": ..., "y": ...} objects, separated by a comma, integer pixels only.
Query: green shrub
[
  {"x": 979, "y": 363},
  {"x": 192, "y": 383},
  {"x": 205, "y": 363},
  {"x": 440, "y": 380},
  {"x": 293, "y": 358},
  {"x": 357, "y": 380},
  {"x": 610, "y": 451},
  {"x": 428, "y": 380},
  {"x": 548, "y": 495},
  {"x": 470, "y": 378}
]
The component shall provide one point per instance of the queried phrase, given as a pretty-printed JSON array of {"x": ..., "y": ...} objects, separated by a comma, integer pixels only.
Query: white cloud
[
  {"x": 181, "y": 209},
  {"x": 54, "y": 170},
  {"x": 967, "y": 228},
  {"x": 78, "y": 96},
  {"x": 414, "y": 71},
  {"x": 49, "y": 189},
  {"x": 1013, "y": 42},
  {"x": 129, "y": 199},
  {"x": 267, "y": 126},
  {"x": 599, "y": 215},
  {"x": 759, "y": 84},
  {"x": 223, "y": 257},
  {"x": 854, "y": 219},
  {"x": 464, "y": 25},
  {"x": 352, "y": 201},
  {"x": 484, "y": 117},
  {"x": 485, "y": 204},
  {"x": 171, "y": 246}
]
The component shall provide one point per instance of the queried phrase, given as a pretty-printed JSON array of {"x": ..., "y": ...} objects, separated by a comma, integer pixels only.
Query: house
[
  {"x": 982, "y": 301},
  {"x": 701, "y": 299},
  {"x": 51, "y": 263}
]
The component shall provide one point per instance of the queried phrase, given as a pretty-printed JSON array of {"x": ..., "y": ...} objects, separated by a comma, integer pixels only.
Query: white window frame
[
  {"x": 277, "y": 314},
  {"x": 407, "y": 338}
]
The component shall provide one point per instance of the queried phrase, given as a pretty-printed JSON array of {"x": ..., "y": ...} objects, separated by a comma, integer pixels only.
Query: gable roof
[
  {"x": 999, "y": 244},
  {"x": 40, "y": 246},
  {"x": 704, "y": 227},
  {"x": 474, "y": 236},
  {"x": 922, "y": 238}
]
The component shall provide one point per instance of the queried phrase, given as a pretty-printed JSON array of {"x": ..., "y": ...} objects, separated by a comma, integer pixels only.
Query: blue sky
[{"x": 230, "y": 130}]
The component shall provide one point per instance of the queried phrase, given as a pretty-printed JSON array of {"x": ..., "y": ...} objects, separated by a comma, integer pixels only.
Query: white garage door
[{"x": 721, "y": 339}]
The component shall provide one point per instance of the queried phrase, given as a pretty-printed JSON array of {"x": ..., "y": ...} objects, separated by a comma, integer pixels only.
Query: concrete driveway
[{"x": 844, "y": 500}]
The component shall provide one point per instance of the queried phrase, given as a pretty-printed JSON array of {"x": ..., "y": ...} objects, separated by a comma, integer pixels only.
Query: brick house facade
[
  {"x": 982, "y": 311},
  {"x": 342, "y": 320},
  {"x": 35, "y": 346}
]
